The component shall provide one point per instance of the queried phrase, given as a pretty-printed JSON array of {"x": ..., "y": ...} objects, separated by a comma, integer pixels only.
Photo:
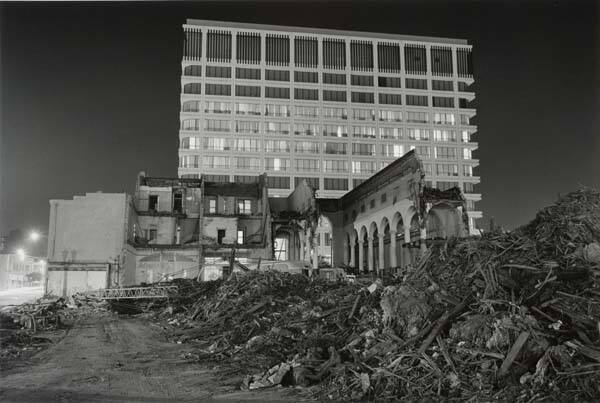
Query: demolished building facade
[{"x": 188, "y": 227}]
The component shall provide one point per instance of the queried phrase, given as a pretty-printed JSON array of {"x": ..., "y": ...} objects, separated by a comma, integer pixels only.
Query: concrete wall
[
  {"x": 213, "y": 224},
  {"x": 88, "y": 228},
  {"x": 164, "y": 194},
  {"x": 64, "y": 280},
  {"x": 166, "y": 227},
  {"x": 129, "y": 265},
  {"x": 252, "y": 227},
  {"x": 190, "y": 199},
  {"x": 301, "y": 199}
]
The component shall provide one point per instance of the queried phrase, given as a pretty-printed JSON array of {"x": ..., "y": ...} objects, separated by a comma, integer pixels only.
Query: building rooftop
[
  {"x": 408, "y": 162},
  {"x": 320, "y": 31},
  {"x": 169, "y": 182}
]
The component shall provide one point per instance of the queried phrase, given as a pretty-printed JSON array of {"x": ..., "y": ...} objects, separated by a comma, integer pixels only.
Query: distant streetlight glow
[
  {"x": 34, "y": 236},
  {"x": 21, "y": 254}
]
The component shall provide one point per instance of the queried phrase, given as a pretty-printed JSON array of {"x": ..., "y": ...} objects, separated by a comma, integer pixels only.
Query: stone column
[
  {"x": 301, "y": 247},
  {"x": 422, "y": 242},
  {"x": 361, "y": 255},
  {"x": 352, "y": 257},
  {"x": 306, "y": 246},
  {"x": 315, "y": 253},
  {"x": 381, "y": 254},
  {"x": 406, "y": 250},
  {"x": 370, "y": 253},
  {"x": 393, "y": 262},
  {"x": 345, "y": 250}
]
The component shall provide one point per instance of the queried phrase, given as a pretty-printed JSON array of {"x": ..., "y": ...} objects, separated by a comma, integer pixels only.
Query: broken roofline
[
  {"x": 382, "y": 177},
  {"x": 210, "y": 188},
  {"x": 152, "y": 181}
]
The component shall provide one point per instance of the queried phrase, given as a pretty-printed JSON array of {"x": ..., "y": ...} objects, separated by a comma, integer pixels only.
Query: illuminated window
[
  {"x": 277, "y": 164},
  {"x": 335, "y": 131},
  {"x": 306, "y": 147},
  {"x": 277, "y": 110},
  {"x": 244, "y": 206},
  {"x": 335, "y": 113},
  {"x": 190, "y": 143},
  {"x": 390, "y": 115},
  {"x": 277, "y": 146},
  {"x": 390, "y": 133},
  {"x": 247, "y": 109}
]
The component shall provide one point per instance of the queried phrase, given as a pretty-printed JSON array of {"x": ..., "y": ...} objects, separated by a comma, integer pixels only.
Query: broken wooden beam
[{"x": 513, "y": 353}]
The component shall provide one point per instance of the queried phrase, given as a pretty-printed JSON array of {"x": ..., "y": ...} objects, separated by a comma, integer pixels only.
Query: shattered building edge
[{"x": 104, "y": 240}]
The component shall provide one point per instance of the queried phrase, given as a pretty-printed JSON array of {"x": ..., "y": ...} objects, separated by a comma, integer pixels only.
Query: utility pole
[{"x": 200, "y": 229}]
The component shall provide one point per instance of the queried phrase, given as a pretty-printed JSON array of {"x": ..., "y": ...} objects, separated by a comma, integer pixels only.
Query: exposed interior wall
[
  {"x": 87, "y": 228},
  {"x": 252, "y": 227},
  {"x": 164, "y": 198},
  {"x": 166, "y": 228},
  {"x": 213, "y": 224},
  {"x": 301, "y": 199}
]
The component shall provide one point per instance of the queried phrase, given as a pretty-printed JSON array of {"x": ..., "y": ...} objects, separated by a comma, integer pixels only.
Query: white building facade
[{"x": 332, "y": 107}]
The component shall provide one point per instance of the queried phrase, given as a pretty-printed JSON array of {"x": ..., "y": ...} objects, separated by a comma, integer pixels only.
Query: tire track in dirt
[{"x": 118, "y": 360}]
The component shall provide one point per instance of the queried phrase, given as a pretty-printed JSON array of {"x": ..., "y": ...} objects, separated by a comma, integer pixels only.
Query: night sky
[{"x": 90, "y": 92}]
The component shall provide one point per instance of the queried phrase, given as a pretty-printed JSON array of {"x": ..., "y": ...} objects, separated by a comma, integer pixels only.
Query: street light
[
  {"x": 21, "y": 254},
  {"x": 34, "y": 236}
]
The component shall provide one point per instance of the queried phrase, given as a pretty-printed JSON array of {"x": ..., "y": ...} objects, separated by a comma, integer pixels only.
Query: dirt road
[{"x": 120, "y": 360}]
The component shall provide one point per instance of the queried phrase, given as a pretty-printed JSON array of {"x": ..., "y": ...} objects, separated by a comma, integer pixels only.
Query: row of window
[
  {"x": 310, "y": 129},
  {"x": 312, "y": 147},
  {"x": 467, "y": 188},
  {"x": 307, "y": 165},
  {"x": 243, "y": 206},
  {"x": 284, "y": 182},
  {"x": 326, "y": 78},
  {"x": 304, "y": 111},
  {"x": 308, "y": 94}
]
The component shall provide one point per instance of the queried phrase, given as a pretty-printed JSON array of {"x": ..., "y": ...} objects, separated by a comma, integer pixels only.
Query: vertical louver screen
[
  {"x": 278, "y": 50},
  {"x": 306, "y": 52},
  {"x": 388, "y": 57},
  {"x": 464, "y": 62},
  {"x": 415, "y": 59},
  {"x": 218, "y": 46},
  {"x": 248, "y": 48},
  {"x": 192, "y": 45},
  {"x": 361, "y": 55},
  {"x": 334, "y": 54},
  {"x": 441, "y": 61}
]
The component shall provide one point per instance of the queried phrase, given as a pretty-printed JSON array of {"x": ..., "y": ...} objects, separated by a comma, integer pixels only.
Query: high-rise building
[{"x": 332, "y": 107}]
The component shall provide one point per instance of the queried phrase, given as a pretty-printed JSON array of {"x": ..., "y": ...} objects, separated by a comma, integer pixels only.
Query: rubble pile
[
  {"x": 44, "y": 314},
  {"x": 18, "y": 328},
  {"x": 259, "y": 319},
  {"x": 511, "y": 316}
]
